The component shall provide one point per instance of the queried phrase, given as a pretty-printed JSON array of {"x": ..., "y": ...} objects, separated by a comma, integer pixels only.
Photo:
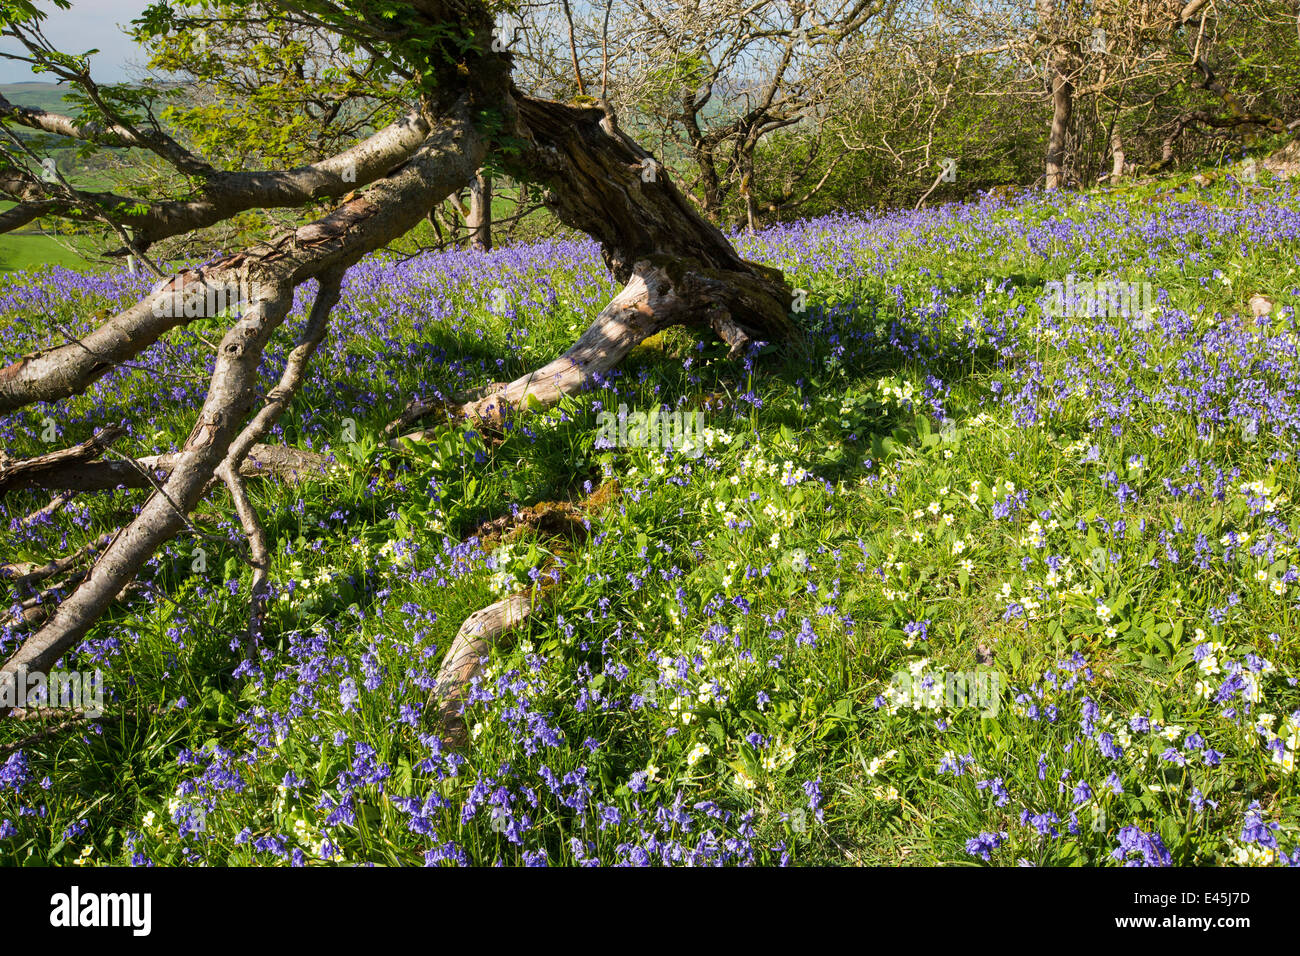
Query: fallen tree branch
[
  {"x": 63, "y": 723},
  {"x": 323, "y": 249},
  {"x": 721, "y": 322},
  {"x": 483, "y": 631},
  {"x": 57, "y": 566},
  {"x": 28, "y": 472},
  {"x": 36, "y": 609},
  {"x": 267, "y": 461},
  {"x": 164, "y": 513},
  {"x": 277, "y": 400},
  {"x": 259, "y": 550},
  {"x": 418, "y": 409},
  {"x": 45, "y": 512},
  {"x": 674, "y": 266}
]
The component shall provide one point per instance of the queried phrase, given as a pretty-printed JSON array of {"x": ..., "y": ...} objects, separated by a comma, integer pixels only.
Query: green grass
[
  {"x": 764, "y": 603},
  {"x": 20, "y": 252}
]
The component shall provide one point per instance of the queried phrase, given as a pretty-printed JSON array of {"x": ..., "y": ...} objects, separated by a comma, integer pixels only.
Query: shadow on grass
[{"x": 530, "y": 465}]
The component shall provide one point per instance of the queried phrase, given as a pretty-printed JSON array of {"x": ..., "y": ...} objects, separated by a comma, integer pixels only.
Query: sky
[{"x": 89, "y": 25}]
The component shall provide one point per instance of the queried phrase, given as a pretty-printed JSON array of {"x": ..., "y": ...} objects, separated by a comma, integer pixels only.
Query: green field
[
  {"x": 955, "y": 580},
  {"x": 22, "y": 251},
  {"x": 29, "y": 247}
]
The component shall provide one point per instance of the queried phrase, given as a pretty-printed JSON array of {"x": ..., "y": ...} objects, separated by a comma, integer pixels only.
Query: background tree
[{"x": 709, "y": 82}]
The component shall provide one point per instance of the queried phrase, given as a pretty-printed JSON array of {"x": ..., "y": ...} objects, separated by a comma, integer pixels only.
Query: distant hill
[
  {"x": 42, "y": 96},
  {"x": 30, "y": 246}
]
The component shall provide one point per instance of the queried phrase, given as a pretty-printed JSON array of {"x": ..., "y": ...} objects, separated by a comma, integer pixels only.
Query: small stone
[{"x": 1260, "y": 305}]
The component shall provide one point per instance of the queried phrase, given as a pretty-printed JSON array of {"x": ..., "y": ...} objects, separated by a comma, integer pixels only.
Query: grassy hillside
[
  {"x": 962, "y": 577},
  {"x": 22, "y": 251},
  {"x": 30, "y": 248},
  {"x": 38, "y": 95}
]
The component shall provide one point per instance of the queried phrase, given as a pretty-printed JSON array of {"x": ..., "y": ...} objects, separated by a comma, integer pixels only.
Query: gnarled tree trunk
[{"x": 675, "y": 268}]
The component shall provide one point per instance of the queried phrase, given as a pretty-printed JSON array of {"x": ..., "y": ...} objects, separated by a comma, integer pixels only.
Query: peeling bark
[
  {"x": 675, "y": 268},
  {"x": 448, "y": 158},
  {"x": 482, "y": 631}
]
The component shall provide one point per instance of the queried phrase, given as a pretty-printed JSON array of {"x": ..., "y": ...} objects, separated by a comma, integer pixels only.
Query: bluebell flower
[
  {"x": 1138, "y": 848},
  {"x": 984, "y": 844},
  {"x": 1255, "y": 830}
]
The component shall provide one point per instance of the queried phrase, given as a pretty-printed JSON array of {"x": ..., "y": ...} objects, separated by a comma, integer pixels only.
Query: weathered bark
[
  {"x": 676, "y": 266},
  {"x": 1062, "y": 89},
  {"x": 479, "y": 219},
  {"x": 649, "y": 302},
  {"x": 1285, "y": 162},
  {"x": 493, "y": 627},
  {"x": 482, "y": 631},
  {"x": 604, "y": 184},
  {"x": 447, "y": 159}
]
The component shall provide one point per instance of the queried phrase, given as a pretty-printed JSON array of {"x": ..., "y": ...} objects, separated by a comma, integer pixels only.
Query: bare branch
[{"x": 447, "y": 159}]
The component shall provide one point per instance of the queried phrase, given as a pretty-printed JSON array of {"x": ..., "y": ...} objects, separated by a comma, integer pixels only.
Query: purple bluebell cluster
[{"x": 1100, "y": 540}]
